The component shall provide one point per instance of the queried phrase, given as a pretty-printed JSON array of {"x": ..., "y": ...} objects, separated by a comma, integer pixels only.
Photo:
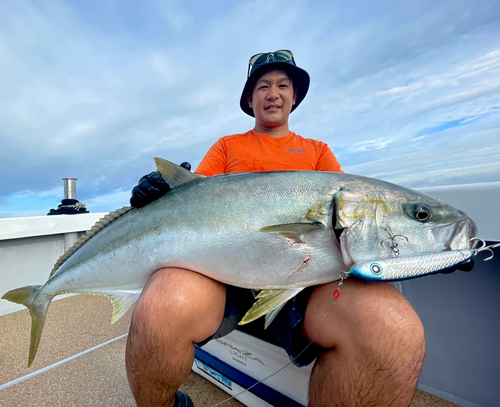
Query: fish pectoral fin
[
  {"x": 293, "y": 231},
  {"x": 174, "y": 174},
  {"x": 269, "y": 318},
  {"x": 263, "y": 293},
  {"x": 122, "y": 301},
  {"x": 267, "y": 302}
]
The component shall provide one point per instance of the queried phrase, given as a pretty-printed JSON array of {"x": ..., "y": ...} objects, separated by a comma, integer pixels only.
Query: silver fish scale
[
  {"x": 219, "y": 227},
  {"x": 213, "y": 226},
  {"x": 400, "y": 268}
]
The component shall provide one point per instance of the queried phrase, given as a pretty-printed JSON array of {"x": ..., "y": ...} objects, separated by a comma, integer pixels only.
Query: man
[{"x": 369, "y": 349}]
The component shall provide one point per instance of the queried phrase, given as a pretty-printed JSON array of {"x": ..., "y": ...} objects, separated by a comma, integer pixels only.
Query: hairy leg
[
  {"x": 375, "y": 343},
  {"x": 177, "y": 308}
]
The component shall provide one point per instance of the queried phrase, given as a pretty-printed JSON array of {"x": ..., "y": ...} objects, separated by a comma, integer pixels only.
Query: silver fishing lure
[{"x": 403, "y": 268}]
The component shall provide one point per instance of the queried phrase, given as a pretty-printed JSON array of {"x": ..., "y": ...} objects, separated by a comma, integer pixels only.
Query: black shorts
[{"x": 286, "y": 329}]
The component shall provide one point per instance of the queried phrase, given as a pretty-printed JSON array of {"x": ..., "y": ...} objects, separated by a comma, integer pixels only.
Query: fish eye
[
  {"x": 419, "y": 211},
  {"x": 422, "y": 215},
  {"x": 375, "y": 268}
]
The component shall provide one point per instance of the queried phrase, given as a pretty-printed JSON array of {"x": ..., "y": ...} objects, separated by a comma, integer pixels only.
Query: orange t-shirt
[{"x": 254, "y": 151}]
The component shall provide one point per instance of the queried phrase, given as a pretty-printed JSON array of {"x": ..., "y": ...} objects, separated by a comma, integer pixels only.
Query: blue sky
[{"x": 404, "y": 91}]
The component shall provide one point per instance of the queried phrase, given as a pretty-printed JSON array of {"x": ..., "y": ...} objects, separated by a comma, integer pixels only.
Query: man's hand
[
  {"x": 467, "y": 266},
  {"x": 151, "y": 187}
]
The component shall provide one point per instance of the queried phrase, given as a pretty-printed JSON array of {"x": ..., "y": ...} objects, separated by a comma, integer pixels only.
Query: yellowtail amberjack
[{"x": 278, "y": 231}]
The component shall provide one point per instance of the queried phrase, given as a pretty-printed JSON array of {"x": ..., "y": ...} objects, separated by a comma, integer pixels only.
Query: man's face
[{"x": 272, "y": 98}]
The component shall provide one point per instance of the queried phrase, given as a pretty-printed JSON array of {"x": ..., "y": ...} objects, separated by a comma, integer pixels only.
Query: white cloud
[
  {"x": 176, "y": 17},
  {"x": 486, "y": 67},
  {"x": 96, "y": 95},
  {"x": 163, "y": 68},
  {"x": 370, "y": 145},
  {"x": 480, "y": 89},
  {"x": 460, "y": 161},
  {"x": 115, "y": 200},
  {"x": 56, "y": 191}
]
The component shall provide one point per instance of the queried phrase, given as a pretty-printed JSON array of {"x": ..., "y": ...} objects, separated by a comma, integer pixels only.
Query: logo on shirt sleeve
[{"x": 296, "y": 151}]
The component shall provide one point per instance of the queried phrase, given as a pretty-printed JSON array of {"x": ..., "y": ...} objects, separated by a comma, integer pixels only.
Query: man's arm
[
  {"x": 327, "y": 161},
  {"x": 214, "y": 161}
]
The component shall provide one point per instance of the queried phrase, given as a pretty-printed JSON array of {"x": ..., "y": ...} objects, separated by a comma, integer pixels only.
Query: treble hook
[
  {"x": 484, "y": 247},
  {"x": 394, "y": 245}
]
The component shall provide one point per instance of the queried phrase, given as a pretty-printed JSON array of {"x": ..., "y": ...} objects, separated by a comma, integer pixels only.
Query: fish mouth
[{"x": 457, "y": 235}]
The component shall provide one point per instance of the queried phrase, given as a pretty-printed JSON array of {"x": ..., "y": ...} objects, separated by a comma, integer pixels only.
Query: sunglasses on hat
[{"x": 264, "y": 58}]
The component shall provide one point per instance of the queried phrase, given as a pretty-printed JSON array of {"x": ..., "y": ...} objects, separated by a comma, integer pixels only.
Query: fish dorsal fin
[
  {"x": 100, "y": 224},
  {"x": 174, "y": 174}
]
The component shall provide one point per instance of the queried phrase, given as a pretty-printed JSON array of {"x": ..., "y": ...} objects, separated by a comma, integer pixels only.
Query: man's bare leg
[
  {"x": 177, "y": 308},
  {"x": 376, "y": 343}
]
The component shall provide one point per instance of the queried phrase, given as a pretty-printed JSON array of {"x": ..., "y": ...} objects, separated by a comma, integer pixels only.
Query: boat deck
[{"x": 80, "y": 326}]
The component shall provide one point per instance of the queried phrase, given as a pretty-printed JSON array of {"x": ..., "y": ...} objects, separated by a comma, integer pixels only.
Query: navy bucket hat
[{"x": 263, "y": 62}]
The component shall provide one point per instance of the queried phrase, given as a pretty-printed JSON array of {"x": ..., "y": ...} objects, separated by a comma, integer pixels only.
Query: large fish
[{"x": 277, "y": 231}]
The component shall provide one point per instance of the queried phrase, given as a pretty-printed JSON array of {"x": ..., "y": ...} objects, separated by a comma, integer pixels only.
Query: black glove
[
  {"x": 150, "y": 188},
  {"x": 467, "y": 266}
]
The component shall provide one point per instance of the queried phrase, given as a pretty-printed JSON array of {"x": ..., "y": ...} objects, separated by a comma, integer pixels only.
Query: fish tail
[{"x": 38, "y": 303}]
